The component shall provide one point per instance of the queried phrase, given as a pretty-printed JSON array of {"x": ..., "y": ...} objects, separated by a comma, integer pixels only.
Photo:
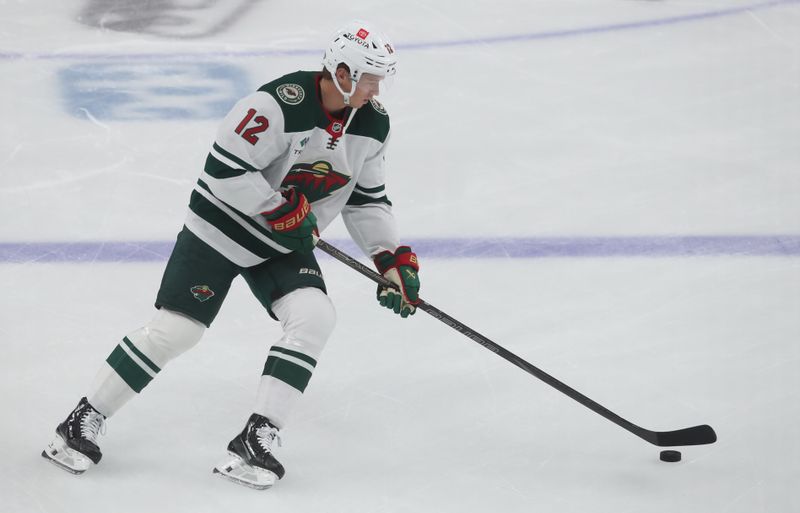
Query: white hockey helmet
[{"x": 364, "y": 49}]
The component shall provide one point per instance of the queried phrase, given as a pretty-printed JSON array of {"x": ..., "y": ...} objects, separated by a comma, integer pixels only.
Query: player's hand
[
  {"x": 294, "y": 225},
  {"x": 402, "y": 269}
]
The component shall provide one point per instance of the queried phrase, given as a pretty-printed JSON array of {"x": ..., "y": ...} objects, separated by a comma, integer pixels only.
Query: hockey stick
[{"x": 696, "y": 435}]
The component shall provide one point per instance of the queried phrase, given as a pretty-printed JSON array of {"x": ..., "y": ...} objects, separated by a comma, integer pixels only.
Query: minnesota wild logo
[
  {"x": 378, "y": 106},
  {"x": 316, "y": 181},
  {"x": 202, "y": 293},
  {"x": 290, "y": 93}
]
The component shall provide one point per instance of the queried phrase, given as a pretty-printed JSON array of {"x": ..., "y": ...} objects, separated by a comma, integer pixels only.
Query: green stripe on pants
[{"x": 288, "y": 372}]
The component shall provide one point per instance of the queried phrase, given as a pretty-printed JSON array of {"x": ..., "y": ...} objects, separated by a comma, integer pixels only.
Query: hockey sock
[
  {"x": 139, "y": 357},
  {"x": 307, "y": 317}
]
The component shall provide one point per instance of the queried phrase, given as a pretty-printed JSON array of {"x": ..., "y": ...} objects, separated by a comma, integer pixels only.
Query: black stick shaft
[{"x": 696, "y": 435}]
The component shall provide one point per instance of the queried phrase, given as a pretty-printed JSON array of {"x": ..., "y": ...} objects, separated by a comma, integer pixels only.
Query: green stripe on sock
[
  {"x": 146, "y": 360},
  {"x": 128, "y": 369},
  {"x": 299, "y": 356},
  {"x": 290, "y": 373}
]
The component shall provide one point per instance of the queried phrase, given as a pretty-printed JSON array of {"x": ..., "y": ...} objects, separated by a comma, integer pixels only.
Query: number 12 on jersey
[{"x": 250, "y": 134}]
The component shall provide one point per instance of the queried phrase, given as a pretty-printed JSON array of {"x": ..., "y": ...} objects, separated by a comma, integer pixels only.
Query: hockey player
[{"x": 286, "y": 161}]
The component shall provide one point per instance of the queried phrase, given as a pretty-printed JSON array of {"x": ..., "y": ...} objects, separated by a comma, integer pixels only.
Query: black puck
[{"x": 670, "y": 456}]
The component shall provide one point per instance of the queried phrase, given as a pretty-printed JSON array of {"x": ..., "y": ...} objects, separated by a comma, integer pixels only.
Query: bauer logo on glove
[
  {"x": 402, "y": 269},
  {"x": 293, "y": 223}
]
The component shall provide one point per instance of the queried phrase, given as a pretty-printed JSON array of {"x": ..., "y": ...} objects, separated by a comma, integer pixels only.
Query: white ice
[{"x": 687, "y": 127}]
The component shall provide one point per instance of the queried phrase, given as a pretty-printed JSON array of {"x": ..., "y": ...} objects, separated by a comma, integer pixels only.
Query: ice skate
[
  {"x": 74, "y": 448},
  {"x": 250, "y": 461}
]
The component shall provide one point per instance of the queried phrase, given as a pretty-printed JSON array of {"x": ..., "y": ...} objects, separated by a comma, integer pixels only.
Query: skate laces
[
  {"x": 92, "y": 423},
  {"x": 267, "y": 434}
]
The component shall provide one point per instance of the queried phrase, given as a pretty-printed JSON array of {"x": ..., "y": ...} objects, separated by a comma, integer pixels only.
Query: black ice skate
[
  {"x": 75, "y": 446},
  {"x": 250, "y": 460}
]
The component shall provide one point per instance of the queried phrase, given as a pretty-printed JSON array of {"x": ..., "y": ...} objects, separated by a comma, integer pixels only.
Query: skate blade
[
  {"x": 236, "y": 470},
  {"x": 65, "y": 458}
]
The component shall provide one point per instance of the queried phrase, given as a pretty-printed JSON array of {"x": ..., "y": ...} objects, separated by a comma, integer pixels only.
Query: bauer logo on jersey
[
  {"x": 291, "y": 94},
  {"x": 316, "y": 181},
  {"x": 312, "y": 272},
  {"x": 202, "y": 293}
]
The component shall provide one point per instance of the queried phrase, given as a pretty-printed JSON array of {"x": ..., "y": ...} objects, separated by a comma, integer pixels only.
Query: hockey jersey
[{"x": 281, "y": 137}]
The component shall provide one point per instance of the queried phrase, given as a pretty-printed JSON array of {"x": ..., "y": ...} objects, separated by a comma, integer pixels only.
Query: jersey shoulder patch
[
  {"x": 378, "y": 106},
  {"x": 295, "y": 93},
  {"x": 372, "y": 121},
  {"x": 291, "y": 94}
]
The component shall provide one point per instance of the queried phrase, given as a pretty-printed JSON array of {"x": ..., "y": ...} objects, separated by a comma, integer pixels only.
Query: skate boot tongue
[
  {"x": 92, "y": 423},
  {"x": 266, "y": 435}
]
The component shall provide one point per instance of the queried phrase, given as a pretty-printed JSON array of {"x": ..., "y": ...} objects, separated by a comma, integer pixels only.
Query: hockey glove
[
  {"x": 401, "y": 268},
  {"x": 293, "y": 223}
]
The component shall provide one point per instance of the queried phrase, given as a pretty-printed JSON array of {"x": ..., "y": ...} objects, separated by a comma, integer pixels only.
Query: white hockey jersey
[{"x": 281, "y": 137}]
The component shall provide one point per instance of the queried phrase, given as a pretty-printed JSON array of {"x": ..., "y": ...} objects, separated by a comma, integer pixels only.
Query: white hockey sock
[
  {"x": 275, "y": 400},
  {"x": 307, "y": 317},
  {"x": 108, "y": 391},
  {"x": 139, "y": 357}
]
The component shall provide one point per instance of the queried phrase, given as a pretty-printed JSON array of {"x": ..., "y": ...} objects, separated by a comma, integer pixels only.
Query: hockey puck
[{"x": 670, "y": 456}]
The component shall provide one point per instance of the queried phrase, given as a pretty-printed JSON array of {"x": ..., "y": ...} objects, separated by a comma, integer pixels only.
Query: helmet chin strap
[{"x": 345, "y": 96}]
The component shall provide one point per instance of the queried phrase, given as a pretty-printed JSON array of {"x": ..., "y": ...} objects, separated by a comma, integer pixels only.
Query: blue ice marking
[
  {"x": 482, "y": 41},
  {"x": 682, "y": 246},
  {"x": 137, "y": 91}
]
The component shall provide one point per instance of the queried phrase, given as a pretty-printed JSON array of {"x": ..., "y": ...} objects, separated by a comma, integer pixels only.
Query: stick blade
[{"x": 696, "y": 435}]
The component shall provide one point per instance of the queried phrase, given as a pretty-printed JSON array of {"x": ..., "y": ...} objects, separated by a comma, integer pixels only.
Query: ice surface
[{"x": 580, "y": 125}]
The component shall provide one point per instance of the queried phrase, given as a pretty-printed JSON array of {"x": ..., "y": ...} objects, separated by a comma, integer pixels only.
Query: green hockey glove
[
  {"x": 293, "y": 223},
  {"x": 401, "y": 268}
]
